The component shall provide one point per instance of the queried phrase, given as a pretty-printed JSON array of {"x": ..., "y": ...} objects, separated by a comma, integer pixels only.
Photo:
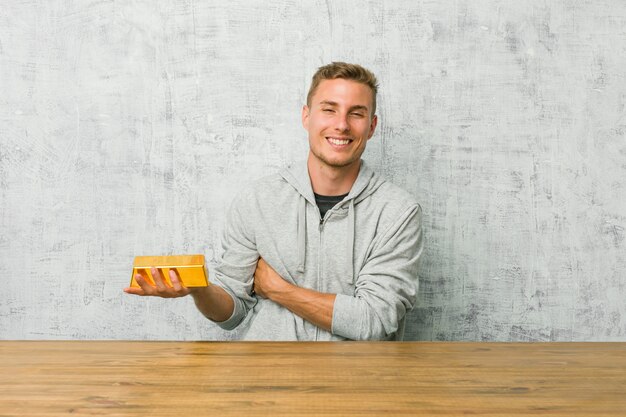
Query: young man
[{"x": 324, "y": 250}]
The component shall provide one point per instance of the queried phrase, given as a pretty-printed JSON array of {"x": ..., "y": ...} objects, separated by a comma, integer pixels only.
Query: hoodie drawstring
[{"x": 301, "y": 234}]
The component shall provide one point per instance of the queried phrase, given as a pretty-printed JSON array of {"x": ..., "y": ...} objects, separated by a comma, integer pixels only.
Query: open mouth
[{"x": 338, "y": 141}]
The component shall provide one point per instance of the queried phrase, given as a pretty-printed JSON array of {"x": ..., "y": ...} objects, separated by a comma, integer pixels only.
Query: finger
[
  {"x": 158, "y": 279},
  {"x": 134, "y": 291},
  {"x": 146, "y": 287},
  {"x": 144, "y": 274},
  {"x": 259, "y": 266},
  {"x": 174, "y": 280},
  {"x": 177, "y": 283}
]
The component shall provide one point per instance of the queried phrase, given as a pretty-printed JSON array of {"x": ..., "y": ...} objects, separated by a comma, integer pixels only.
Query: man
[{"x": 324, "y": 250}]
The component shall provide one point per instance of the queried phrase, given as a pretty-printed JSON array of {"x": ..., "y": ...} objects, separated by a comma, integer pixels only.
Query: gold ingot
[{"x": 190, "y": 269}]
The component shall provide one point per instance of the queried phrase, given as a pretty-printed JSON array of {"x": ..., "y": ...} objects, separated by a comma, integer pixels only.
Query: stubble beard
[{"x": 335, "y": 164}]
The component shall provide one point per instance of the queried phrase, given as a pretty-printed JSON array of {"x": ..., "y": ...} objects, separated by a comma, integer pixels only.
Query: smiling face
[{"x": 340, "y": 122}]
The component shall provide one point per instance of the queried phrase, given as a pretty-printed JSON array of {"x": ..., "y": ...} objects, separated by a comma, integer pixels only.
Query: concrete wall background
[{"x": 126, "y": 127}]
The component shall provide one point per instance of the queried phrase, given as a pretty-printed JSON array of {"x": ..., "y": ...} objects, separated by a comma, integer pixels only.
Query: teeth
[{"x": 335, "y": 141}]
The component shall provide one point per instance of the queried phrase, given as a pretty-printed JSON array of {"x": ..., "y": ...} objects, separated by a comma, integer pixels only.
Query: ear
[
  {"x": 305, "y": 116},
  {"x": 373, "y": 125}
]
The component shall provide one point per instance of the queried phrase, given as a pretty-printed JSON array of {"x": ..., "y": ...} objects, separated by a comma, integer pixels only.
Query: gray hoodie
[{"x": 366, "y": 250}]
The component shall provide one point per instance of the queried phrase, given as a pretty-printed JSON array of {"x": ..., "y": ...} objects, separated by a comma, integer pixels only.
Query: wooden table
[{"x": 250, "y": 379}]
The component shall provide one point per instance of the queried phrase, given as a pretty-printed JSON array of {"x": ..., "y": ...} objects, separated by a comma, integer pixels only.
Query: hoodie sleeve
[
  {"x": 235, "y": 269},
  {"x": 386, "y": 287}
]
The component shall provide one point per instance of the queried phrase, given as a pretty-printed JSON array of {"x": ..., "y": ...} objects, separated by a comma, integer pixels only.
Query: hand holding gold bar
[{"x": 167, "y": 276}]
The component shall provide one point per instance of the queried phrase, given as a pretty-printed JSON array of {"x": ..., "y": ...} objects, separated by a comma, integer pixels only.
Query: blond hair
[{"x": 353, "y": 72}]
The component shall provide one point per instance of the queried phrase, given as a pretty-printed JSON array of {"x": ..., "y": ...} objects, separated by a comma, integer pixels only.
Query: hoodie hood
[
  {"x": 297, "y": 176},
  {"x": 366, "y": 183}
]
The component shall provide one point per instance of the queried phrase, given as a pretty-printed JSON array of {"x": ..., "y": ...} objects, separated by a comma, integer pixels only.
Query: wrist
[{"x": 199, "y": 292}]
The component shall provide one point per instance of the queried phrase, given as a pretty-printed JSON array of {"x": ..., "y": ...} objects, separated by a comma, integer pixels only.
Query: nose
[{"x": 342, "y": 123}]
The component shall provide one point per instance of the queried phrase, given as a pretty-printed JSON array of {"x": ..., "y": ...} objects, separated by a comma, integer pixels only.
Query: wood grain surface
[{"x": 344, "y": 379}]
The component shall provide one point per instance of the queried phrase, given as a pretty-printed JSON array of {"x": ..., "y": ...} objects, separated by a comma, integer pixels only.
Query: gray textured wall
[{"x": 126, "y": 128}]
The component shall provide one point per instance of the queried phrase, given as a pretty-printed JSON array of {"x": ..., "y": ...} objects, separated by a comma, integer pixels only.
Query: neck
[{"x": 327, "y": 180}]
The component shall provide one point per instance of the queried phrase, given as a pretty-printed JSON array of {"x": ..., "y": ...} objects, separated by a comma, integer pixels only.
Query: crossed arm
[
  {"x": 313, "y": 306},
  {"x": 217, "y": 305}
]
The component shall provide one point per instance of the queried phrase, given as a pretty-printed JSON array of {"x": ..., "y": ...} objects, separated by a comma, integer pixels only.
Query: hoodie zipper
[{"x": 319, "y": 261}]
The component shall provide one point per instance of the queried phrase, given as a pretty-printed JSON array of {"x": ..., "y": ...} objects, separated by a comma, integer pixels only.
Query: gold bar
[{"x": 190, "y": 269}]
